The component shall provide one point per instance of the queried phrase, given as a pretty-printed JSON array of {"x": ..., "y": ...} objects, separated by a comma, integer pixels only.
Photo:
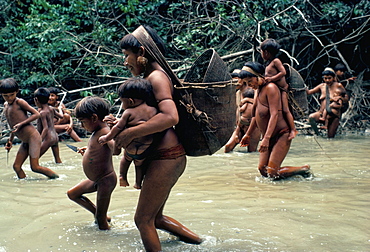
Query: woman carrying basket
[{"x": 167, "y": 163}]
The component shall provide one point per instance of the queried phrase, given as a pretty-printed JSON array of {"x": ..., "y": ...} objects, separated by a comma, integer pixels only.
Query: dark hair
[
  {"x": 8, "y": 85},
  {"x": 248, "y": 93},
  {"x": 138, "y": 88},
  {"x": 257, "y": 67},
  {"x": 340, "y": 67},
  {"x": 328, "y": 71},
  {"x": 42, "y": 94},
  {"x": 54, "y": 90},
  {"x": 92, "y": 105},
  {"x": 270, "y": 45},
  {"x": 130, "y": 42}
]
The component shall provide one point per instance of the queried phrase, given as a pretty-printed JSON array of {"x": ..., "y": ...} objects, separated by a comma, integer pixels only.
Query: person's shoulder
[
  {"x": 157, "y": 74},
  {"x": 277, "y": 61},
  {"x": 21, "y": 102},
  {"x": 44, "y": 111},
  {"x": 272, "y": 86},
  {"x": 339, "y": 85},
  {"x": 321, "y": 85}
]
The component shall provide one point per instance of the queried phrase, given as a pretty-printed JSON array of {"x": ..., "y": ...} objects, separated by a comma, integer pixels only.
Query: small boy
[
  {"x": 139, "y": 106},
  {"x": 45, "y": 124},
  {"x": 15, "y": 110},
  {"x": 64, "y": 124},
  {"x": 275, "y": 72},
  {"x": 97, "y": 161}
]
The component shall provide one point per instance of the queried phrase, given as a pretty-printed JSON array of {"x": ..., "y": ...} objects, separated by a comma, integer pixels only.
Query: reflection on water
[{"x": 220, "y": 197}]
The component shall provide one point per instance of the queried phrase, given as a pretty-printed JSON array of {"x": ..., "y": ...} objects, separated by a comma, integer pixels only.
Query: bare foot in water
[{"x": 287, "y": 171}]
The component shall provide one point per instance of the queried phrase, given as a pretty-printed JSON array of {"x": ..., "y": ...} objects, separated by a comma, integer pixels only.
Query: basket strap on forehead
[{"x": 147, "y": 42}]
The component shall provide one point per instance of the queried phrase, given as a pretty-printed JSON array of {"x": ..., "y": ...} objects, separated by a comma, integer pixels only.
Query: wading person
[
  {"x": 245, "y": 101},
  {"x": 327, "y": 90},
  {"x": 268, "y": 116},
  {"x": 97, "y": 161},
  {"x": 15, "y": 110},
  {"x": 45, "y": 124},
  {"x": 167, "y": 162}
]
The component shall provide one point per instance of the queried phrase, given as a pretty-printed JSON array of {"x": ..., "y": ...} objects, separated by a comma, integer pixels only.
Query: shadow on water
[{"x": 221, "y": 197}]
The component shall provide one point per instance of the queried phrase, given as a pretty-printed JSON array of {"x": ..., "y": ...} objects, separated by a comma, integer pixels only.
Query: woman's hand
[
  {"x": 245, "y": 140},
  {"x": 264, "y": 145},
  {"x": 124, "y": 138}
]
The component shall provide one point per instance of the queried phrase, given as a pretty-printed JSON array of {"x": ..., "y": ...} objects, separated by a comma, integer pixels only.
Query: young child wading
[
  {"x": 97, "y": 161},
  {"x": 45, "y": 124},
  {"x": 15, "y": 110}
]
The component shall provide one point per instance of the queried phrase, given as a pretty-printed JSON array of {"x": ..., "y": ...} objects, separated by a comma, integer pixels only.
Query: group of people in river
[{"x": 146, "y": 132}]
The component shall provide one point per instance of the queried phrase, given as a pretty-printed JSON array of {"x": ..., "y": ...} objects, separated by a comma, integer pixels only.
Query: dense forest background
[{"x": 73, "y": 44}]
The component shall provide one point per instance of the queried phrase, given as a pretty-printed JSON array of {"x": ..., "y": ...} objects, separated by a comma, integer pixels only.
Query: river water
[{"x": 220, "y": 197}]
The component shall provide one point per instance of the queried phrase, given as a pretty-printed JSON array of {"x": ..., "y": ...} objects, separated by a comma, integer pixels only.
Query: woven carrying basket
[
  {"x": 209, "y": 86},
  {"x": 297, "y": 92}
]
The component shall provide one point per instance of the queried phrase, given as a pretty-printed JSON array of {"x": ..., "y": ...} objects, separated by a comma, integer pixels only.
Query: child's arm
[
  {"x": 115, "y": 129},
  {"x": 45, "y": 126},
  {"x": 26, "y": 107},
  {"x": 243, "y": 108}
]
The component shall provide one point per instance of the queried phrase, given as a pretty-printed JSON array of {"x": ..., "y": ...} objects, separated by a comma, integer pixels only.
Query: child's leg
[
  {"x": 45, "y": 145},
  {"x": 105, "y": 187},
  {"x": 61, "y": 128},
  {"x": 140, "y": 168},
  {"x": 55, "y": 149},
  {"x": 34, "y": 152},
  {"x": 22, "y": 155},
  {"x": 74, "y": 136},
  {"x": 288, "y": 115},
  {"x": 123, "y": 169},
  {"x": 76, "y": 194}
]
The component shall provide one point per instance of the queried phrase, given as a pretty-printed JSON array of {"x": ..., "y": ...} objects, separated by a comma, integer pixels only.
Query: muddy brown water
[{"x": 221, "y": 197}]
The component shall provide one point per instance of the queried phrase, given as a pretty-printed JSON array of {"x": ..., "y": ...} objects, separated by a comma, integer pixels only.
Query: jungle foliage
[{"x": 73, "y": 44}]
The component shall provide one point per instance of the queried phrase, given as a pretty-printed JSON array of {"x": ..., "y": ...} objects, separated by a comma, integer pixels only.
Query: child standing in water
[
  {"x": 139, "y": 106},
  {"x": 275, "y": 72},
  {"x": 97, "y": 161},
  {"x": 45, "y": 124},
  {"x": 15, "y": 110}
]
